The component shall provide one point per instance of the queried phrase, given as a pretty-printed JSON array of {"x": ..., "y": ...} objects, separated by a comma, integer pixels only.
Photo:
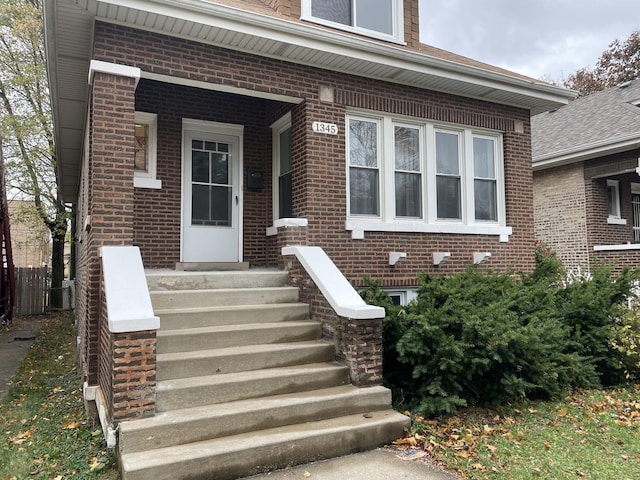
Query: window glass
[
  {"x": 363, "y": 143},
  {"x": 285, "y": 186},
  {"x": 485, "y": 188},
  {"x": 376, "y": 15},
  {"x": 408, "y": 180},
  {"x": 376, "y": 18},
  {"x": 448, "y": 181},
  {"x": 364, "y": 177},
  {"x": 338, "y": 11},
  {"x": 141, "y": 162}
]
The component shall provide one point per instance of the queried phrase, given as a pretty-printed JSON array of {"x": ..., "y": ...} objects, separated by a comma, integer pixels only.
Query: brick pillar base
[{"x": 134, "y": 375}]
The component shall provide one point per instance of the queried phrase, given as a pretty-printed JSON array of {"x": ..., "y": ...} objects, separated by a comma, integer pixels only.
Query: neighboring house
[
  {"x": 30, "y": 244},
  {"x": 586, "y": 164},
  {"x": 215, "y": 133}
]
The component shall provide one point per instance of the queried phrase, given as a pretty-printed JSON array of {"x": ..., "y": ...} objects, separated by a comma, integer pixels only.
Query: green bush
[
  {"x": 488, "y": 338},
  {"x": 626, "y": 341}
]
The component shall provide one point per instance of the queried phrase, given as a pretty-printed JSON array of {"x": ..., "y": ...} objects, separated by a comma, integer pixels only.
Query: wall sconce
[
  {"x": 440, "y": 258},
  {"x": 396, "y": 257},
  {"x": 481, "y": 257}
]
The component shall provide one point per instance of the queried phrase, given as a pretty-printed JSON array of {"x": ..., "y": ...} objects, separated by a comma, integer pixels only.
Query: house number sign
[{"x": 327, "y": 128}]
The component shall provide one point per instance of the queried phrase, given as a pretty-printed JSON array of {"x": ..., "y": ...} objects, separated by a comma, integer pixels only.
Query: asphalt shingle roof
[{"x": 601, "y": 118}]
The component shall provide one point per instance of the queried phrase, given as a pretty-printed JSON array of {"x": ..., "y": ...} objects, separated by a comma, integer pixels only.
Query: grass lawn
[
  {"x": 591, "y": 434},
  {"x": 44, "y": 432}
]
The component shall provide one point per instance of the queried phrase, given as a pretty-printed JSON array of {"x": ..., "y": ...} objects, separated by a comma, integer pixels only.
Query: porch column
[{"x": 110, "y": 198}]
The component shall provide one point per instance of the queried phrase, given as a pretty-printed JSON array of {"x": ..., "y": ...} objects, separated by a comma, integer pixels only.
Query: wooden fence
[{"x": 32, "y": 291}]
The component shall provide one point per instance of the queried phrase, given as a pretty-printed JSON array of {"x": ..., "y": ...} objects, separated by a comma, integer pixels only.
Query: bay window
[{"x": 416, "y": 176}]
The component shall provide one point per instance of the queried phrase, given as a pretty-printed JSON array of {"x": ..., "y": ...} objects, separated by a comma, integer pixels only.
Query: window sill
[
  {"x": 359, "y": 31},
  {"x": 616, "y": 221},
  {"x": 357, "y": 227},
  {"x": 286, "y": 222},
  {"x": 616, "y": 248},
  {"x": 142, "y": 182}
]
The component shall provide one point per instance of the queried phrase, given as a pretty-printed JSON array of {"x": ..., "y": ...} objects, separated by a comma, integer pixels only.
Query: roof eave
[{"x": 586, "y": 152}]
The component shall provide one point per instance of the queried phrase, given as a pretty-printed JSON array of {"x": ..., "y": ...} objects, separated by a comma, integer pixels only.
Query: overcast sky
[{"x": 537, "y": 38}]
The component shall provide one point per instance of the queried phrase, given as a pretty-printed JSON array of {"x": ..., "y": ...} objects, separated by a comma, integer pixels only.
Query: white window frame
[
  {"x": 614, "y": 217},
  {"x": 406, "y": 295},
  {"x": 148, "y": 179},
  {"x": 277, "y": 128},
  {"x": 397, "y": 22},
  {"x": 387, "y": 220}
]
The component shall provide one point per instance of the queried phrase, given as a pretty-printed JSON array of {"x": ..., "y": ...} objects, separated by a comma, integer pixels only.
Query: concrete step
[
  {"x": 222, "y": 296},
  {"x": 159, "y": 280},
  {"x": 213, "y": 421},
  {"x": 221, "y": 336},
  {"x": 240, "y": 359},
  {"x": 231, "y": 315},
  {"x": 196, "y": 391},
  {"x": 239, "y": 455}
]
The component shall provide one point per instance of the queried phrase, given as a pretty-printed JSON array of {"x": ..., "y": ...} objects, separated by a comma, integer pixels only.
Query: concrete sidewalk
[
  {"x": 15, "y": 342},
  {"x": 380, "y": 464}
]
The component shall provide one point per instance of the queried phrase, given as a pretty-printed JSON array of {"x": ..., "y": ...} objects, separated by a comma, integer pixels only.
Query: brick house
[
  {"x": 586, "y": 166},
  {"x": 221, "y": 134}
]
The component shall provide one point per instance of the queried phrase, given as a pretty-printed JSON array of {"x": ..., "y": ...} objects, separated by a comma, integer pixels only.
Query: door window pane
[
  {"x": 285, "y": 207},
  {"x": 220, "y": 168},
  {"x": 211, "y": 205},
  {"x": 200, "y": 166}
]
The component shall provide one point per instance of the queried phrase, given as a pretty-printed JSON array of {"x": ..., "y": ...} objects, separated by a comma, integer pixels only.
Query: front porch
[{"x": 239, "y": 378}]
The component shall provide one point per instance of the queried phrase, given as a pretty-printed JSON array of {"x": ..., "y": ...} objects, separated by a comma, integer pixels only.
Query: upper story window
[
  {"x": 411, "y": 175},
  {"x": 374, "y": 18}
]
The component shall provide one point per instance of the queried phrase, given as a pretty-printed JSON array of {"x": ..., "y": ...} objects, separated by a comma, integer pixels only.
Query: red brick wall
[{"x": 319, "y": 168}]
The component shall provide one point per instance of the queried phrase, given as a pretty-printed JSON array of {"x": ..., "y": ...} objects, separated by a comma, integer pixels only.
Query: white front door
[{"x": 211, "y": 203}]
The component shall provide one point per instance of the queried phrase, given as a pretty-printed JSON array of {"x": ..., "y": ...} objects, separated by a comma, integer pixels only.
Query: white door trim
[{"x": 189, "y": 124}]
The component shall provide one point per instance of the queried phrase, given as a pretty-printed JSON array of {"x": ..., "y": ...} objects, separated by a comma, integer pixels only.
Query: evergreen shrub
[{"x": 488, "y": 338}]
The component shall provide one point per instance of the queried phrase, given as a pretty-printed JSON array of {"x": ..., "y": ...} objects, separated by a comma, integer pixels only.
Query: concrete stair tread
[
  {"x": 192, "y": 424},
  {"x": 224, "y": 308},
  {"x": 263, "y": 445},
  {"x": 231, "y": 378},
  {"x": 241, "y": 350},
  {"x": 236, "y": 327}
]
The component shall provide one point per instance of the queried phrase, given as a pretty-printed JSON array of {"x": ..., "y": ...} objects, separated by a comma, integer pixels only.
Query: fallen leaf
[
  {"x": 562, "y": 412},
  {"x": 492, "y": 448},
  {"x": 71, "y": 424},
  {"x": 547, "y": 446}
]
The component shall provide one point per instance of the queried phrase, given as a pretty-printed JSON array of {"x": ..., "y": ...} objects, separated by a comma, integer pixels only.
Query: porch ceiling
[{"x": 69, "y": 28}]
